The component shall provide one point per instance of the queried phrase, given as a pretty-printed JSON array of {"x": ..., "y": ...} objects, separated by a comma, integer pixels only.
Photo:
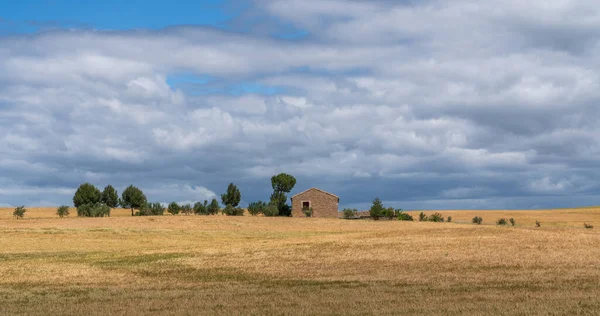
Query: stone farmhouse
[{"x": 323, "y": 204}]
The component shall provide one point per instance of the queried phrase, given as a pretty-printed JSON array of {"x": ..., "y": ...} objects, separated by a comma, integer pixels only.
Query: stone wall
[{"x": 323, "y": 204}]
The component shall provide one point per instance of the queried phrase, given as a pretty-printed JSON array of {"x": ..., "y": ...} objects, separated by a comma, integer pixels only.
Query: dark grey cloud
[{"x": 425, "y": 104}]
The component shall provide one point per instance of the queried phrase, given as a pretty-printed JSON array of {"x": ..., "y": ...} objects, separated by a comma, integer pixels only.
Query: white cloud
[{"x": 436, "y": 99}]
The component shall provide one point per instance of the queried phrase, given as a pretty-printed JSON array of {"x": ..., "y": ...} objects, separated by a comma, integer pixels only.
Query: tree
[
  {"x": 376, "y": 209},
  {"x": 86, "y": 194},
  {"x": 173, "y": 208},
  {"x": 282, "y": 183},
  {"x": 62, "y": 211},
  {"x": 232, "y": 196},
  {"x": 133, "y": 198},
  {"x": 110, "y": 197},
  {"x": 213, "y": 208},
  {"x": 19, "y": 212}
]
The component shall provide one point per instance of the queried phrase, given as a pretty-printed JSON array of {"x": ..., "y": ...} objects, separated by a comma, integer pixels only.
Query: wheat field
[{"x": 192, "y": 265}]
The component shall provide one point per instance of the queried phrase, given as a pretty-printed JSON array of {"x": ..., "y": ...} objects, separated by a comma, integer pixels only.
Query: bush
[
  {"x": 502, "y": 221},
  {"x": 389, "y": 212},
  {"x": 62, "y": 211},
  {"x": 93, "y": 210},
  {"x": 271, "y": 210},
  {"x": 213, "y": 208},
  {"x": 229, "y": 210},
  {"x": 377, "y": 209},
  {"x": 349, "y": 213},
  {"x": 436, "y": 217},
  {"x": 403, "y": 216},
  {"x": 19, "y": 212},
  {"x": 422, "y": 217},
  {"x": 173, "y": 208},
  {"x": 538, "y": 224},
  {"x": 239, "y": 211},
  {"x": 512, "y": 221},
  {"x": 308, "y": 211},
  {"x": 200, "y": 208},
  {"x": 256, "y": 208},
  {"x": 586, "y": 225},
  {"x": 449, "y": 219},
  {"x": 151, "y": 209},
  {"x": 285, "y": 210},
  {"x": 186, "y": 209},
  {"x": 477, "y": 220}
]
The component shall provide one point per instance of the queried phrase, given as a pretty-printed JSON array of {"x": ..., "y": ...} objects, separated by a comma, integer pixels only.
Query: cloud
[{"x": 429, "y": 103}]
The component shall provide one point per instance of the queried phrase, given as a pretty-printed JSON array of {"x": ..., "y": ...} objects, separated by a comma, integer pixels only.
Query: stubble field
[{"x": 191, "y": 265}]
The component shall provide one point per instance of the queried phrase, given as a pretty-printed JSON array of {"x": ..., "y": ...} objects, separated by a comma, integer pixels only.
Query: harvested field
[{"x": 194, "y": 265}]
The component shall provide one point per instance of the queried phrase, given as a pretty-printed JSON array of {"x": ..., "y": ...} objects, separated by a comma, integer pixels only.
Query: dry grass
[{"x": 253, "y": 265}]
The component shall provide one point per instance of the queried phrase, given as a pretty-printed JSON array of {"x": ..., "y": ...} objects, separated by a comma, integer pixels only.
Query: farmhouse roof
[{"x": 317, "y": 190}]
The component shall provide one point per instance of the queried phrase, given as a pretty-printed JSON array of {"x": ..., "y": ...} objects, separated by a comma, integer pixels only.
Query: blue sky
[
  {"x": 33, "y": 15},
  {"x": 425, "y": 104}
]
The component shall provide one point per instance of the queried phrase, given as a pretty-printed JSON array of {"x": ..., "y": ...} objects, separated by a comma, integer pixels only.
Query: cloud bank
[{"x": 429, "y": 104}]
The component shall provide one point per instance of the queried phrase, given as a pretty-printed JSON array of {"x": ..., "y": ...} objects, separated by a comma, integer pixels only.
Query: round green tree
[
  {"x": 110, "y": 197},
  {"x": 86, "y": 194},
  {"x": 133, "y": 198}
]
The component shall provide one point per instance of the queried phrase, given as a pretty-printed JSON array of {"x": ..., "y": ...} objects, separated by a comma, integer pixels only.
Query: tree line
[{"x": 91, "y": 202}]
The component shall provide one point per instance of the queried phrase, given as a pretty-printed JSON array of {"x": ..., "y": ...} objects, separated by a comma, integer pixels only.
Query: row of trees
[{"x": 91, "y": 202}]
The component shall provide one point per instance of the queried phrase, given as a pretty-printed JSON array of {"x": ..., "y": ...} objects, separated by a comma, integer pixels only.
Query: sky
[{"x": 425, "y": 104}]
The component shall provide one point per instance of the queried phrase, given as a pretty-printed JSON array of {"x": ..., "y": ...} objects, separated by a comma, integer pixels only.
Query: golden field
[{"x": 191, "y": 265}]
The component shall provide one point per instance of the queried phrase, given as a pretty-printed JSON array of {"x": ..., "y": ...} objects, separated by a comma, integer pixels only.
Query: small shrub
[
  {"x": 62, "y": 211},
  {"x": 173, "y": 208},
  {"x": 449, "y": 219},
  {"x": 308, "y": 211},
  {"x": 436, "y": 217},
  {"x": 512, "y": 221},
  {"x": 538, "y": 224},
  {"x": 151, "y": 209},
  {"x": 271, "y": 210},
  {"x": 93, "y": 210},
  {"x": 229, "y": 210},
  {"x": 201, "y": 208},
  {"x": 187, "y": 209},
  {"x": 19, "y": 212},
  {"x": 256, "y": 208},
  {"x": 586, "y": 225},
  {"x": 213, "y": 208},
  {"x": 389, "y": 212},
  {"x": 285, "y": 210},
  {"x": 422, "y": 217},
  {"x": 477, "y": 220},
  {"x": 502, "y": 221},
  {"x": 403, "y": 216},
  {"x": 239, "y": 211},
  {"x": 349, "y": 213}
]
